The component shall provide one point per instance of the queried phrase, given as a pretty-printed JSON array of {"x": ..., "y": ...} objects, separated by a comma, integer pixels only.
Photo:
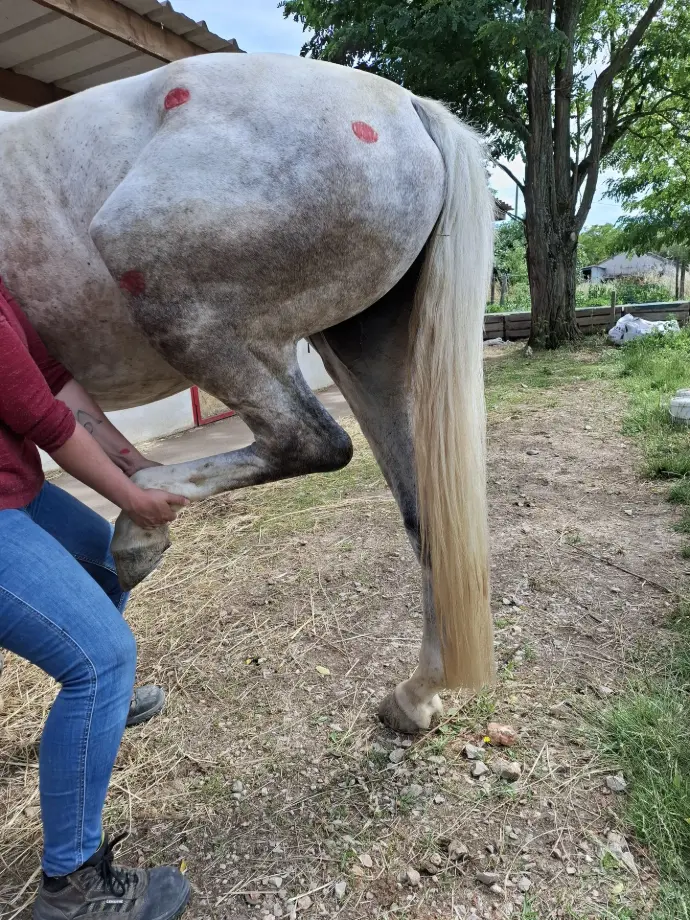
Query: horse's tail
[{"x": 449, "y": 414}]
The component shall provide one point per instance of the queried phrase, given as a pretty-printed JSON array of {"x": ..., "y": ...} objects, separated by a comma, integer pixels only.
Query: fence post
[{"x": 613, "y": 309}]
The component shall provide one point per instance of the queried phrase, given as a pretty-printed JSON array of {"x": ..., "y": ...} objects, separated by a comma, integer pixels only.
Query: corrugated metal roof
[{"x": 48, "y": 46}]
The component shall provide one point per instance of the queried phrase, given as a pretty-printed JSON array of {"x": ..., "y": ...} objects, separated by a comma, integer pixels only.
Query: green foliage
[
  {"x": 654, "y": 162},
  {"x": 510, "y": 250},
  {"x": 598, "y": 243},
  {"x": 588, "y": 295}
]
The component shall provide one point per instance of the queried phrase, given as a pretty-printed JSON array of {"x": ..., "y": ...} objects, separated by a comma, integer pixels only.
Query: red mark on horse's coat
[
  {"x": 134, "y": 283},
  {"x": 365, "y": 132},
  {"x": 125, "y": 451},
  {"x": 177, "y": 96}
]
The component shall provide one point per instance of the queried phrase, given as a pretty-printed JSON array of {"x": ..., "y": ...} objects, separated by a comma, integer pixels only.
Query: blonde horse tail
[{"x": 449, "y": 414}]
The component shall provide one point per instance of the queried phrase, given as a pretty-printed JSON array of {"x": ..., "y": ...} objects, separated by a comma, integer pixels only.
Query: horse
[{"x": 191, "y": 224}]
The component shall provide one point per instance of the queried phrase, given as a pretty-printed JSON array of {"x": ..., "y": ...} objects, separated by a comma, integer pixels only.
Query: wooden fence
[{"x": 514, "y": 326}]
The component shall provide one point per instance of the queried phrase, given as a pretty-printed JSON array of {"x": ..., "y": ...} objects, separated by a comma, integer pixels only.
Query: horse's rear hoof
[
  {"x": 394, "y": 716},
  {"x": 137, "y": 552},
  {"x": 133, "y": 566}
]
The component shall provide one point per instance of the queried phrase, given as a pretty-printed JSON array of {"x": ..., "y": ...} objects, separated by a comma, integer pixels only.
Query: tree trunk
[
  {"x": 549, "y": 193},
  {"x": 677, "y": 279},
  {"x": 683, "y": 267},
  {"x": 552, "y": 269},
  {"x": 493, "y": 288},
  {"x": 504, "y": 289}
]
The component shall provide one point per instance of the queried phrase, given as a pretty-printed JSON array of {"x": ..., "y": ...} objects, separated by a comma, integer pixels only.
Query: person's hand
[{"x": 150, "y": 508}]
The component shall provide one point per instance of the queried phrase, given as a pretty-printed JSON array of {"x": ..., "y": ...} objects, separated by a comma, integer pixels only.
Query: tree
[
  {"x": 558, "y": 82},
  {"x": 654, "y": 187}
]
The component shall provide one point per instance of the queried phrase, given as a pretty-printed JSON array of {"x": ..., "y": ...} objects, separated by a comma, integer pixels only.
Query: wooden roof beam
[
  {"x": 118, "y": 22},
  {"x": 28, "y": 91}
]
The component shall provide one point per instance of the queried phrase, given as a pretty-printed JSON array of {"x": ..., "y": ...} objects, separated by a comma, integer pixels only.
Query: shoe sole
[{"x": 146, "y": 715}]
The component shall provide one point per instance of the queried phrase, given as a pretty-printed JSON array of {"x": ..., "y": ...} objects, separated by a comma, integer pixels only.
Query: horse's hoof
[
  {"x": 137, "y": 552},
  {"x": 394, "y": 716}
]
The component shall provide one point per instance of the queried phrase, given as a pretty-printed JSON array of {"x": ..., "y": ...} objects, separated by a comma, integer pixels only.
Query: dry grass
[{"x": 263, "y": 587}]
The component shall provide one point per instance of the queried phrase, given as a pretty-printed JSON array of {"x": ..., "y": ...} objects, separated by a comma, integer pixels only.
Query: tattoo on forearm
[{"x": 88, "y": 421}]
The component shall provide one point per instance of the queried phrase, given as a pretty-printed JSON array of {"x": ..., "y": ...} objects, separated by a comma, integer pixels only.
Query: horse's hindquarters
[{"x": 275, "y": 216}]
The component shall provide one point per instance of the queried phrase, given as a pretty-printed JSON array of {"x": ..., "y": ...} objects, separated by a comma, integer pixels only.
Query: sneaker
[
  {"x": 99, "y": 890},
  {"x": 146, "y": 703}
]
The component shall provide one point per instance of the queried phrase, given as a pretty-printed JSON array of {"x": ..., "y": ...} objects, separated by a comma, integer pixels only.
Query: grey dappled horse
[{"x": 190, "y": 225}]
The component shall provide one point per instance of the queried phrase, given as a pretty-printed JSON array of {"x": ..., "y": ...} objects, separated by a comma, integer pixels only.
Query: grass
[
  {"x": 508, "y": 379},
  {"x": 644, "y": 734},
  {"x": 651, "y": 370}
]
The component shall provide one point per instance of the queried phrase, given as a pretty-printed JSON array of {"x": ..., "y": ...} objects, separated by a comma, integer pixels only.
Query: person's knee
[{"x": 118, "y": 652}]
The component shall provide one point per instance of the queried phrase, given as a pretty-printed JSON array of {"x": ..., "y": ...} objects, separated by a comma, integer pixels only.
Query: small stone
[
  {"x": 457, "y": 850},
  {"x": 588, "y": 427},
  {"x": 604, "y": 691},
  {"x": 237, "y": 786},
  {"x": 397, "y": 755},
  {"x": 32, "y": 811},
  {"x": 496, "y": 889},
  {"x": 571, "y": 870},
  {"x": 488, "y": 878},
  {"x": 276, "y": 881},
  {"x": 508, "y": 770},
  {"x": 436, "y": 859},
  {"x": 532, "y": 452},
  {"x": 357, "y": 870},
  {"x": 472, "y": 752},
  {"x": 439, "y": 799},
  {"x": 503, "y": 735},
  {"x": 340, "y": 889},
  {"x": 413, "y": 791},
  {"x": 616, "y": 783},
  {"x": 413, "y": 877},
  {"x": 252, "y": 897},
  {"x": 479, "y": 769},
  {"x": 524, "y": 884},
  {"x": 366, "y": 861},
  {"x": 304, "y": 903}
]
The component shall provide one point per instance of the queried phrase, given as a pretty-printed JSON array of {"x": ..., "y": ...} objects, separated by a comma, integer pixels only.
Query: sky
[{"x": 258, "y": 25}]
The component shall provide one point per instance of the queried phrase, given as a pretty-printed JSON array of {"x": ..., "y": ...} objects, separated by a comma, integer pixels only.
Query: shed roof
[{"x": 52, "y": 48}]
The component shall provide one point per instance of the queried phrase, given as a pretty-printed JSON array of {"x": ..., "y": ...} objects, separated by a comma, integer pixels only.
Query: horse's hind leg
[
  {"x": 293, "y": 433},
  {"x": 367, "y": 356}
]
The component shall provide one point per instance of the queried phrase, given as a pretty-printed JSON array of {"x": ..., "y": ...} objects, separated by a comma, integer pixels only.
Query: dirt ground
[{"x": 284, "y": 614}]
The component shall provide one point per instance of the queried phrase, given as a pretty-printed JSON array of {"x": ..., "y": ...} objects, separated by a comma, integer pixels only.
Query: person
[{"x": 61, "y": 608}]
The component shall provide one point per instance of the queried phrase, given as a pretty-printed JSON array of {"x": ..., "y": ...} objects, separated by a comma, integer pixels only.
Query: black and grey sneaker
[
  {"x": 101, "y": 891},
  {"x": 146, "y": 703}
]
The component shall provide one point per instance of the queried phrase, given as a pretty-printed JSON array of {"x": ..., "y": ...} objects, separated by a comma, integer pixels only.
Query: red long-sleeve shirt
[{"x": 29, "y": 413}]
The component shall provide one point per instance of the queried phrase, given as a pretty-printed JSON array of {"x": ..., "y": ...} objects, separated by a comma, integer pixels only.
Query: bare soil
[{"x": 284, "y": 614}]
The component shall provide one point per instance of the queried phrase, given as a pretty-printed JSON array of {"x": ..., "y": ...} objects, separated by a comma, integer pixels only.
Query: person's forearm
[
  {"x": 83, "y": 458},
  {"x": 90, "y": 416}
]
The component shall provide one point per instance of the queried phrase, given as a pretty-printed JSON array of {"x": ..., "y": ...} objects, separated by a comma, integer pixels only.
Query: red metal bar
[{"x": 198, "y": 415}]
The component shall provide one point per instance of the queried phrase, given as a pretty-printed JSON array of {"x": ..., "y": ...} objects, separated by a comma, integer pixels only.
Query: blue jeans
[{"x": 60, "y": 608}]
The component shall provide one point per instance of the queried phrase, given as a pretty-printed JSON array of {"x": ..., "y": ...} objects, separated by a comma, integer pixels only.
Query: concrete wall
[
  {"x": 168, "y": 416},
  {"x": 622, "y": 264}
]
